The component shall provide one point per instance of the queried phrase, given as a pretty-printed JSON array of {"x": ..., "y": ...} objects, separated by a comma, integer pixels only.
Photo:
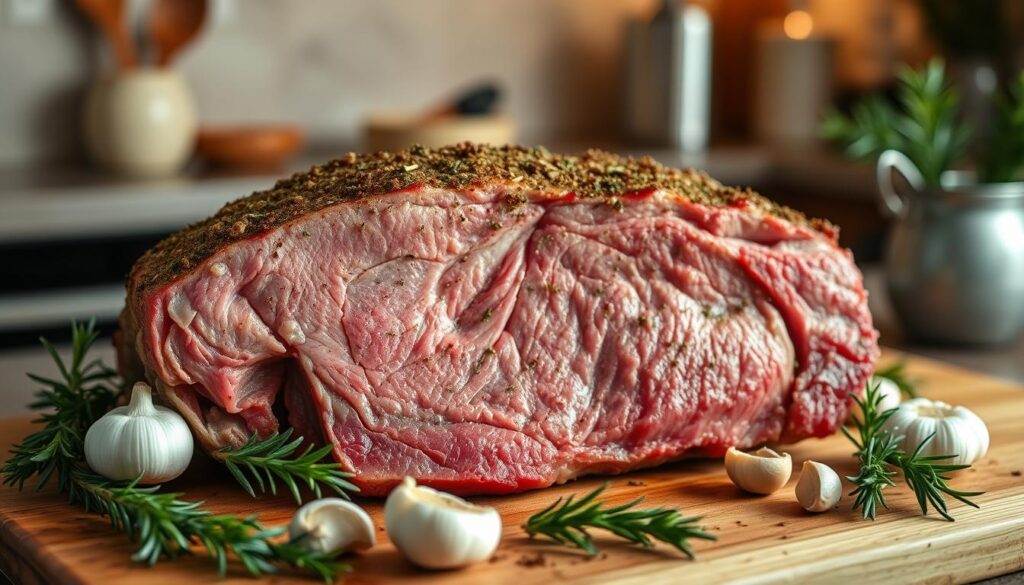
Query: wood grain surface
[{"x": 760, "y": 539}]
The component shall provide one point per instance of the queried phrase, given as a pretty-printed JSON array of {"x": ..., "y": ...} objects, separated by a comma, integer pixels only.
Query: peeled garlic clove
[
  {"x": 436, "y": 530},
  {"x": 330, "y": 525},
  {"x": 889, "y": 391},
  {"x": 819, "y": 487},
  {"x": 957, "y": 430},
  {"x": 760, "y": 472},
  {"x": 140, "y": 440}
]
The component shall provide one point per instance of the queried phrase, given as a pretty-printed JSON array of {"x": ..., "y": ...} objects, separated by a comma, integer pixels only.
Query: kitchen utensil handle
[
  {"x": 893, "y": 160},
  {"x": 124, "y": 50}
]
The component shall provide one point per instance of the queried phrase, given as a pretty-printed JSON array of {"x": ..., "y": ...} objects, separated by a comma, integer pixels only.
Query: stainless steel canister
[{"x": 955, "y": 257}]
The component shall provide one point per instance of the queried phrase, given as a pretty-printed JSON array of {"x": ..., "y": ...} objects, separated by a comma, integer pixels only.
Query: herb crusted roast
[{"x": 495, "y": 319}]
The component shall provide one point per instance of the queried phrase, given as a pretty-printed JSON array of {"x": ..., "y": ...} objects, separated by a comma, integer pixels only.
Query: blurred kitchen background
[{"x": 97, "y": 148}]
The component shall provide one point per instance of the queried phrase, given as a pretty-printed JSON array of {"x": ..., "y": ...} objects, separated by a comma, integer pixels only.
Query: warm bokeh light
[{"x": 798, "y": 24}]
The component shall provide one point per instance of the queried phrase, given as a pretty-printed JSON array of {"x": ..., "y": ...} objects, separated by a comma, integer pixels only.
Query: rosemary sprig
[
  {"x": 875, "y": 475},
  {"x": 84, "y": 392},
  {"x": 566, "y": 522},
  {"x": 870, "y": 424},
  {"x": 273, "y": 457},
  {"x": 897, "y": 373},
  {"x": 924, "y": 124},
  {"x": 163, "y": 524},
  {"x": 167, "y": 526},
  {"x": 1005, "y": 160},
  {"x": 867, "y": 131},
  {"x": 880, "y": 456}
]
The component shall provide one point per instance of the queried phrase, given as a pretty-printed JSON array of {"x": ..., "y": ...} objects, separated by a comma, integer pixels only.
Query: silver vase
[{"x": 955, "y": 258}]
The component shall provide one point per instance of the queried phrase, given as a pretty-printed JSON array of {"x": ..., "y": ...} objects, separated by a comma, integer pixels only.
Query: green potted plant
[{"x": 955, "y": 257}]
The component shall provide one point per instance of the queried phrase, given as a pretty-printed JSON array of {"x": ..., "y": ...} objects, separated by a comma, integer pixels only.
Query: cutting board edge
[
  {"x": 41, "y": 565},
  {"x": 884, "y": 561}
]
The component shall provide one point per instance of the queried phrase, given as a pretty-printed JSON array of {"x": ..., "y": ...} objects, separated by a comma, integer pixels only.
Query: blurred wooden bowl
[
  {"x": 249, "y": 146},
  {"x": 398, "y": 131}
]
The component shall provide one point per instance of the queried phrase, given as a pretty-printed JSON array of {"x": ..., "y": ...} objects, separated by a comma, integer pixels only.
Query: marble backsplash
[{"x": 324, "y": 64}]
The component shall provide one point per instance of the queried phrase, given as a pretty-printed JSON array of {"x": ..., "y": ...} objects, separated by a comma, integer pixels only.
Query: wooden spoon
[
  {"x": 108, "y": 16},
  {"x": 172, "y": 24}
]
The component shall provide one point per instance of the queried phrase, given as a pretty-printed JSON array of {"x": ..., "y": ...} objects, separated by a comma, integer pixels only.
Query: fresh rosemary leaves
[
  {"x": 1004, "y": 162},
  {"x": 272, "y": 457},
  {"x": 84, "y": 392},
  {"x": 924, "y": 124},
  {"x": 882, "y": 459},
  {"x": 566, "y": 522},
  {"x": 166, "y": 526},
  {"x": 163, "y": 524}
]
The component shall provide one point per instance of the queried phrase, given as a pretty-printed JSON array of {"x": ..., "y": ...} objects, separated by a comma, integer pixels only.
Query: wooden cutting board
[{"x": 760, "y": 539}]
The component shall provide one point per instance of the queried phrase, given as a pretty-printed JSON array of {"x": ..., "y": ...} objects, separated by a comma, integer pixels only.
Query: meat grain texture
[{"x": 496, "y": 319}]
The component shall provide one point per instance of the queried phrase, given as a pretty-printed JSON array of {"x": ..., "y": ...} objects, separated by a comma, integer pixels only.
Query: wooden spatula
[
  {"x": 109, "y": 17},
  {"x": 173, "y": 24}
]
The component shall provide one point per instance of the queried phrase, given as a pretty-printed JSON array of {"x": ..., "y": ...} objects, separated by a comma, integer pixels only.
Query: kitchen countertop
[
  {"x": 64, "y": 202},
  {"x": 69, "y": 203}
]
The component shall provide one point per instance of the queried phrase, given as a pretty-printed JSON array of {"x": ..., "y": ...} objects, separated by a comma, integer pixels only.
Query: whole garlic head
[
  {"x": 436, "y": 530},
  {"x": 819, "y": 487},
  {"x": 331, "y": 525},
  {"x": 139, "y": 440},
  {"x": 958, "y": 431},
  {"x": 760, "y": 472},
  {"x": 889, "y": 391}
]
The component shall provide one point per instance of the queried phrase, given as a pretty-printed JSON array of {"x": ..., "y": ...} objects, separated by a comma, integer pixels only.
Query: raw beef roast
[{"x": 491, "y": 320}]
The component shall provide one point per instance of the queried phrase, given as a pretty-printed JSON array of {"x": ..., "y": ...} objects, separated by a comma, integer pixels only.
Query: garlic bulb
[
  {"x": 958, "y": 431},
  {"x": 140, "y": 440},
  {"x": 891, "y": 397},
  {"x": 438, "y": 530},
  {"x": 330, "y": 525},
  {"x": 819, "y": 487},
  {"x": 761, "y": 472}
]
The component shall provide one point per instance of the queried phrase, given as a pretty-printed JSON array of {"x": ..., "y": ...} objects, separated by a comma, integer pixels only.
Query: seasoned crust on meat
[{"x": 595, "y": 174}]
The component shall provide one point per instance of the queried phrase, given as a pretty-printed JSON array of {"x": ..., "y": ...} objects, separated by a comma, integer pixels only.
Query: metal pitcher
[{"x": 954, "y": 262}]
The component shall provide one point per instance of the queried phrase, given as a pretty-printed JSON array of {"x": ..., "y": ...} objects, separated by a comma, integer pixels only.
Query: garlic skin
[
  {"x": 958, "y": 431},
  {"x": 819, "y": 488},
  {"x": 139, "y": 440},
  {"x": 760, "y": 472},
  {"x": 436, "y": 530},
  {"x": 332, "y": 525},
  {"x": 891, "y": 398}
]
